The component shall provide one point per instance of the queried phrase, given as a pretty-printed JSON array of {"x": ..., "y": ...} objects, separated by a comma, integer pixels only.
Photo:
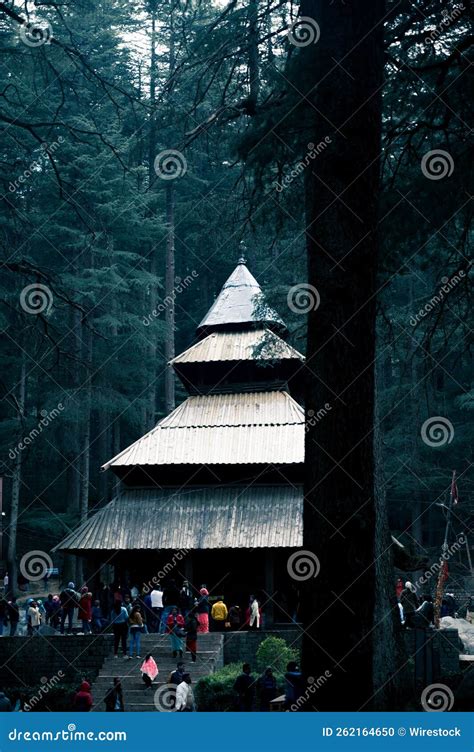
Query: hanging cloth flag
[{"x": 454, "y": 490}]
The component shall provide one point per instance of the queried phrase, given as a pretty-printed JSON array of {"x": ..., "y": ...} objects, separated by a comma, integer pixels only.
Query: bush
[
  {"x": 274, "y": 652},
  {"x": 216, "y": 691}
]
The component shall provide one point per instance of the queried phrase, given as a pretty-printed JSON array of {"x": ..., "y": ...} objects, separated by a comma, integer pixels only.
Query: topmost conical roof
[{"x": 240, "y": 304}]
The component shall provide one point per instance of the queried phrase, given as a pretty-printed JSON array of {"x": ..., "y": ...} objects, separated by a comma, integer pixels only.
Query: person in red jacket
[
  {"x": 175, "y": 629},
  {"x": 85, "y": 610},
  {"x": 399, "y": 587},
  {"x": 83, "y": 699}
]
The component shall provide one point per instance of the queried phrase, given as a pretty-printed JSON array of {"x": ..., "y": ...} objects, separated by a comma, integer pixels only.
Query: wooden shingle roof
[
  {"x": 194, "y": 518},
  {"x": 223, "y": 429}
]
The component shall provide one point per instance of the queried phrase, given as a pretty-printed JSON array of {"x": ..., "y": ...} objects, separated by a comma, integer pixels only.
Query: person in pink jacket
[{"x": 149, "y": 670}]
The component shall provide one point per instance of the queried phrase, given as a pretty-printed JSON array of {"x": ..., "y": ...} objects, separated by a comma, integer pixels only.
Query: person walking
[
  {"x": 135, "y": 624},
  {"x": 56, "y": 613},
  {"x": 219, "y": 615},
  {"x": 191, "y": 628},
  {"x": 176, "y": 676},
  {"x": 170, "y": 601},
  {"x": 451, "y": 605},
  {"x": 244, "y": 687},
  {"x": 202, "y": 610},
  {"x": 149, "y": 670},
  {"x": 69, "y": 601},
  {"x": 13, "y": 616},
  {"x": 186, "y": 599},
  {"x": 3, "y": 614},
  {"x": 294, "y": 684},
  {"x": 34, "y": 616},
  {"x": 156, "y": 602},
  {"x": 114, "y": 698},
  {"x": 266, "y": 689},
  {"x": 235, "y": 618},
  {"x": 184, "y": 702},
  {"x": 409, "y": 602},
  {"x": 48, "y": 608},
  {"x": 424, "y": 614},
  {"x": 399, "y": 588},
  {"x": 83, "y": 701},
  {"x": 99, "y": 622},
  {"x": 254, "y": 620},
  {"x": 85, "y": 610},
  {"x": 106, "y": 600},
  {"x": 175, "y": 628},
  {"x": 120, "y": 628}
]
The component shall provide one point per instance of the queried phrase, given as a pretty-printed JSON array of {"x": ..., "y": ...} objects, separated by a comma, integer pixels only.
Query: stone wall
[
  {"x": 442, "y": 650},
  {"x": 440, "y": 657},
  {"x": 241, "y": 647},
  {"x": 25, "y": 660}
]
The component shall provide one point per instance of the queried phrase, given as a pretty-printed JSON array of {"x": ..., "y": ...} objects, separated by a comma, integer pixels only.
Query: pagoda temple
[{"x": 214, "y": 492}]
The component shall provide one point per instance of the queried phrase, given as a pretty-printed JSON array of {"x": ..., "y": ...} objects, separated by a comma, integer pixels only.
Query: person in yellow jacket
[{"x": 219, "y": 615}]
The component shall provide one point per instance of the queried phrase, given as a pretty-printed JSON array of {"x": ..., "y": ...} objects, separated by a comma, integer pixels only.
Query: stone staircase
[{"x": 137, "y": 697}]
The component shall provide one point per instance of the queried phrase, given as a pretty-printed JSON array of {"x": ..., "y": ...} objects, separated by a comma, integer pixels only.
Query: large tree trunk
[
  {"x": 86, "y": 441},
  {"x": 170, "y": 264},
  {"x": 150, "y": 410},
  {"x": 342, "y": 512},
  {"x": 169, "y": 297},
  {"x": 12, "y": 567},
  {"x": 70, "y": 562}
]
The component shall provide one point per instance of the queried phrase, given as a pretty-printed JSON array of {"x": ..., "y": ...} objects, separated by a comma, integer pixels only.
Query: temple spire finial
[{"x": 243, "y": 251}]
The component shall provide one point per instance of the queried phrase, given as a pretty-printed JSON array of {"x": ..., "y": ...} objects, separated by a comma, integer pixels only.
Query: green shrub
[
  {"x": 274, "y": 652},
  {"x": 216, "y": 691}
]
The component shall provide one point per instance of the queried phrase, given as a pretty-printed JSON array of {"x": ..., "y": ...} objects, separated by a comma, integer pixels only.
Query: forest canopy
[{"x": 142, "y": 144}]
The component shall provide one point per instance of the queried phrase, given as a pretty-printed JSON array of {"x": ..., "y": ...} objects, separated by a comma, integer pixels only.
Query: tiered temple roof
[{"x": 240, "y": 414}]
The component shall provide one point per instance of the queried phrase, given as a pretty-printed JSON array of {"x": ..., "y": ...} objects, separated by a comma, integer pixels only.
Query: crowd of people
[
  {"x": 251, "y": 693},
  {"x": 179, "y": 696},
  {"x": 417, "y": 612},
  {"x": 182, "y": 612}
]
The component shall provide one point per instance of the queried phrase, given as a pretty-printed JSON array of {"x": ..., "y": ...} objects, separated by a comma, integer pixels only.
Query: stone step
[
  {"x": 139, "y": 698},
  {"x": 108, "y": 677}
]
